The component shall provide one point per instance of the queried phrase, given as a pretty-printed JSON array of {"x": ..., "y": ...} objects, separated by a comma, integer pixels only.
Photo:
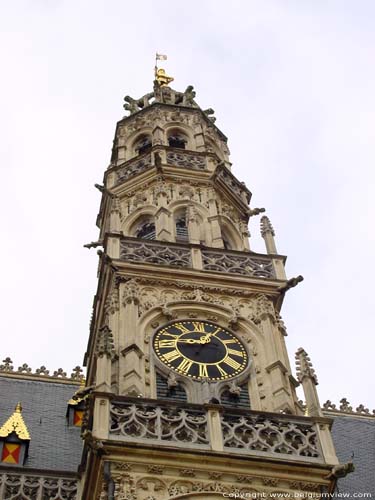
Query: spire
[
  {"x": 307, "y": 377},
  {"x": 15, "y": 423},
  {"x": 304, "y": 367},
  {"x": 268, "y": 233}
]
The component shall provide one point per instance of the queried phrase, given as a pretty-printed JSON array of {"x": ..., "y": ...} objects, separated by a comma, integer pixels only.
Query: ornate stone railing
[
  {"x": 176, "y": 254},
  {"x": 187, "y": 160},
  {"x": 15, "y": 486},
  {"x": 237, "y": 263},
  {"x": 215, "y": 428},
  {"x": 133, "y": 250},
  {"x": 227, "y": 179},
  {"x": 165, "y": 424},
  {"x": 269, "y": 435},
  {"x": 133, "y": 167}
]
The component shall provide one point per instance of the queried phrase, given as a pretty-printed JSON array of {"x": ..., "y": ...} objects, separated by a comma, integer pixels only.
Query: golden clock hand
[
  {"x": 190, "y": 341},
  {"x": 205, "y": 339}
]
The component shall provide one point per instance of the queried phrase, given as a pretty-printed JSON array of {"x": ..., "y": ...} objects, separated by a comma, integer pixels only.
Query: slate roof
[
  {"x": 356, "y": 435},
  {"x": 54, "y": 445}
]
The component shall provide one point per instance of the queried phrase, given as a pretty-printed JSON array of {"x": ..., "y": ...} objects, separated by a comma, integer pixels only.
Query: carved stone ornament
[
  {"x": 133, "y": 167},
  {"x": 131, "y": 292},
  {"x": 186, "y": 160},
  {"x": 105, "y": 343}
]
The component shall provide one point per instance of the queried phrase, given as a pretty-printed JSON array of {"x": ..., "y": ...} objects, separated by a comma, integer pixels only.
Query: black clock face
[{"x": 200, "y": 349}]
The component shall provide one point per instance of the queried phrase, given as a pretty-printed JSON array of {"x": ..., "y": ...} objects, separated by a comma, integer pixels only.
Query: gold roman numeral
[
  {"x": 229, "y": 341},
  {"x": 236, "y": 353},
  {"x": 198, "y": 327},
  {"x": 172, "y": 355},
  {"x": 222, "y": 371},
  {"x": 185, "y": 365},
  {"x": 232, "y": 363},
  {"x": 167, "y": 343},
  {"x": 182, "y": 328},
  {"x": 203, "y": 371},
  {"x": 170, "y": 335}
]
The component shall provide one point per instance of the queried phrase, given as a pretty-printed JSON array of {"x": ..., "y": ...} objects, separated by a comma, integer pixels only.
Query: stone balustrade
[
  {"x": 14, "y": 486},
  {"x": 215, "y": 428},
  {"x": 193, "y": 256}
]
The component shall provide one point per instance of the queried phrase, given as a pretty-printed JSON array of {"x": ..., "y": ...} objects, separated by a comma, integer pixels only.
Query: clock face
[{"x": 199, "y": 349}]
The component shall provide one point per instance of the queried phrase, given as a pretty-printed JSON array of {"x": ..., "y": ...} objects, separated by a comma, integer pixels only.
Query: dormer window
[
  {"x": 143, "y": 145},
  {"x": 14, "y": 439},
  {"x": 146, "y": 231},
  {"x": 177, "y": 140}
]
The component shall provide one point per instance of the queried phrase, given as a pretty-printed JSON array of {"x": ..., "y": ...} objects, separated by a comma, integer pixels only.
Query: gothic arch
[
  {"x": 177, "y": 127},
  {"x": 132, "y": 220},
  {"x": 229, "y": 229},
  {"x": 134, "y": 137}
]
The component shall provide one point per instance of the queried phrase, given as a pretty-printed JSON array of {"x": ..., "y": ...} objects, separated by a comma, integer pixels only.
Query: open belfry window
[
  {"x": 14, "y": 439},
  {"x": 177, "y": 140},
  {"x": 76, "y": 408},
  {"x": 143, "y": 145},
  {"x": 146, "y": 230}
]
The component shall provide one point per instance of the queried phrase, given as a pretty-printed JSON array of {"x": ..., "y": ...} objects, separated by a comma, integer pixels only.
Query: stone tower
[{"x": 190, "y": 392}]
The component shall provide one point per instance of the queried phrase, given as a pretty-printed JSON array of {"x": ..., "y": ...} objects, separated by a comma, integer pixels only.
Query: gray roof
[
  {"x": 53, "y": 445},
  {"x": 356, "y": 435}
]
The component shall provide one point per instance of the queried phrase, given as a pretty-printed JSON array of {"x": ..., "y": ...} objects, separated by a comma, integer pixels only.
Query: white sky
[{"x": 292, "y": 84}]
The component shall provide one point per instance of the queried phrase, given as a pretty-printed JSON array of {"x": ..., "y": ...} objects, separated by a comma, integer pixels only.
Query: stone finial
[
  {"x": 42, "y": 371},
  {"x": 328, "y": 405},
  {"x": 266, "y": 226},
  {"x": 59, "y": 373},
  {"x": 345, "y": 405},
  {"x": 304, "y": 367},
  {"x": 105, "y": 343},
  {"x": 77, "y": 374},
  {"x": 25, "y": 368},
  {"x": 7, "y": 365}
]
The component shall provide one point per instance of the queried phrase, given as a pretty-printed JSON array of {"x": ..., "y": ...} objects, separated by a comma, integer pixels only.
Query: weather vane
[{"x": 160, "y": 76}]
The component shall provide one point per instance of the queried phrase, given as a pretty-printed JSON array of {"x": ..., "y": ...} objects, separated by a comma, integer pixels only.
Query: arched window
[
  {"x": 146, "y": 230},
  {"x": 182, "y": 233},
  {"x": 143, "y": 145},
  {"x": 177, "y": 140}
]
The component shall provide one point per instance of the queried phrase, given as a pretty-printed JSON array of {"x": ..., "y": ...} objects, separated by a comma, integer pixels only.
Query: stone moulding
[
  {"x": 241, "y": 432},
  {"x": 27, "y": 486}
]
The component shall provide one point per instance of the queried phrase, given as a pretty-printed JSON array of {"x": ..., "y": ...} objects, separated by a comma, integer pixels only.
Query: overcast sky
[{"x": 292, "y": 84}]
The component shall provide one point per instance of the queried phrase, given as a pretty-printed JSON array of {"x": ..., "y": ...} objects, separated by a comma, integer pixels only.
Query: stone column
[
  {"x": 130, "y": 362},
  {"x": 268, "y": 234}
]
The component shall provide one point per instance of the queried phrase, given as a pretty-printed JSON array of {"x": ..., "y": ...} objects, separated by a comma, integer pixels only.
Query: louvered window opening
[
  {"x": 147, "y": 231},
  {"x": 177, "y": 393},
  {"x": 234, "y": 401},
  {"x": 182, "y": 233}
]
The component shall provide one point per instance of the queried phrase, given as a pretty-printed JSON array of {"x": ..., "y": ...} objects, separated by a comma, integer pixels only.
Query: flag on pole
[{"x": 161, "y": 57}]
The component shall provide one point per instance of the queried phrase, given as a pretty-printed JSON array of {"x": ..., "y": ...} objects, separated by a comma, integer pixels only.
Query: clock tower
[{"x": 190, "y": 393}]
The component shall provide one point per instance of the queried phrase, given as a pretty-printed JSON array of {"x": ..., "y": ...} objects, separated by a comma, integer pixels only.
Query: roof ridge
[{"x": 7, "y": 368}]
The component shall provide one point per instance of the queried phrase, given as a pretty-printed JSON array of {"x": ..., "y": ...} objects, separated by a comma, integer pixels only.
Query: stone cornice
[{"x": 25, "y": 372}]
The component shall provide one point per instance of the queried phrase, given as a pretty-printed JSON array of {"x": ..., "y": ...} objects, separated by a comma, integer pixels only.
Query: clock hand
[{"x": 189, "y": 341}]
